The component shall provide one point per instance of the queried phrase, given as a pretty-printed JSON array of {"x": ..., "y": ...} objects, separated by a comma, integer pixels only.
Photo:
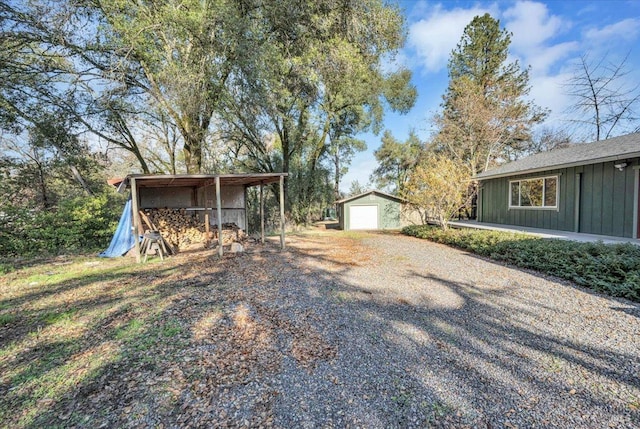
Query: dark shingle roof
[{"x": 614, "y": 149}]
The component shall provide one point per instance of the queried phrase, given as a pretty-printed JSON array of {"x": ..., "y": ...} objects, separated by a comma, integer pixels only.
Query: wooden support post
[
  {"x": 219, "y": 210},
  {"x": 282, "y": 225},
  {"x": 208, "y": 213},
  {"x": 262, "y": 213},
  {"x": 246, "y": 210},
  {"x": 136, "y": 216}
]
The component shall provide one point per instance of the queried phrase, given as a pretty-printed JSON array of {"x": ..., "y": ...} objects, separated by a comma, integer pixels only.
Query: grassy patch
[
  {"x": 5, "y": 267},
  {"x": 610, "y": 268},
  {"x": 131, "y": 330},
  {"x": 5, "y": 319},
  {"x": 59, "y": 317},
  {"x": 355, "y": 235},
  {"x": 171, "y": 329},
  {"x": 47, "y": 311}
]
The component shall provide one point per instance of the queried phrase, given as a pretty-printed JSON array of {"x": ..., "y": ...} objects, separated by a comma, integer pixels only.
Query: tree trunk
[
  {"x": 80, "y": 179},
  {"x": 193, "y": 155},
  {"x": 336, "y": 189},
  {"x": 444, "y": 223},
  {"x": 43, "y": 187}
]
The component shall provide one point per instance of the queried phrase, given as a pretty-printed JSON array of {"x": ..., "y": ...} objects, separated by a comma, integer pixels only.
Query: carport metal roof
[{"x": 164, "y": 180}]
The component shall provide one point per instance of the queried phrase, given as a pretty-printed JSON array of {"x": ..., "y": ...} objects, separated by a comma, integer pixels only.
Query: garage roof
[
  {"x": 190, "y": 180},
  {"x": 383, "y": 194}
]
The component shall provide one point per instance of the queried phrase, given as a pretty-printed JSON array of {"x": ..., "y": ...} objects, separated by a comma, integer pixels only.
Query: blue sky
[{"x": 548, "y": 36}]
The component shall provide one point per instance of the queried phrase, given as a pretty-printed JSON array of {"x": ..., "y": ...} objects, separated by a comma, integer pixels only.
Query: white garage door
[{"x": 363, "y": 217}]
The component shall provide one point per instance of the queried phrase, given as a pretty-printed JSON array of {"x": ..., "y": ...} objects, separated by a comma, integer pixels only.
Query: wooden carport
[{"x": 137, "y": 181}]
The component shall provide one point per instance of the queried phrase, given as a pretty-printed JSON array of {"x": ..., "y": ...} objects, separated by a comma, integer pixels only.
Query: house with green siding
[
  {"x": 372, "y": 210},
  {"x": 587, "y": 188}
]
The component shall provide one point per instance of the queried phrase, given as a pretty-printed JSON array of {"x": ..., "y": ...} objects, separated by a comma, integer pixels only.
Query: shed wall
[
  {"x": 198, "y": 199},
  {"x": 605, "y": 196},
  {"x": 232, "y": 199},
  {"x": 171, "y": 197}
]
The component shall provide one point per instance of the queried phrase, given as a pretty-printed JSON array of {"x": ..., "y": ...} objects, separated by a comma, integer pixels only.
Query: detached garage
[{"x": 369, "y": 211}]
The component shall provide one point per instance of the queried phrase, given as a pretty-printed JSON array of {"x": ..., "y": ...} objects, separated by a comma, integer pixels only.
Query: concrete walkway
[{"x": 544, "y": 233}]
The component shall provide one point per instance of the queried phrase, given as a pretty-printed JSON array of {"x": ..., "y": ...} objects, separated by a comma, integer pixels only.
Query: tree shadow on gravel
[
  {"x": 495, "y": 321},
  {"x": 505, "y": 371},
  {"x": 499, "y": 365},
  {"x": 632, "y": 311}
]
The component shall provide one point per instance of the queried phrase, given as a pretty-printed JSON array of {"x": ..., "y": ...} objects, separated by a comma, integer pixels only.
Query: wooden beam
[
  {"x": 136, "y": 216},
  {"x": 246, "y": 210},
  {"x": 282, "y": 225},
  {"x": 219, "y": 207},
  {"x": 261, "y": 213}
]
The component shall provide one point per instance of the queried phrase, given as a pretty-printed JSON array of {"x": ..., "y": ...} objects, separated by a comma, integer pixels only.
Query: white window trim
[{"x": 518, "y": 207}]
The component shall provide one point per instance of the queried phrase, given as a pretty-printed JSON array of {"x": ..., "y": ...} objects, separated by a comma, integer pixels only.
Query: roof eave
[
  {"x": 614, "y": 158},
  {"x": 373, "y": 191}
]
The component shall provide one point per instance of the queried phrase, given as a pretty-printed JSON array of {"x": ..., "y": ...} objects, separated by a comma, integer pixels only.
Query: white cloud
[
  {"x": 543, "y": 58},
  {"x": 627, "y": 29},
  {"x": 531, "y": 25},
  {"x": 549, "y": 92},
  {"x": 545, "y": 37},
  {"x": 533, "y": 30},
  {"x": 435, "y": 36}
]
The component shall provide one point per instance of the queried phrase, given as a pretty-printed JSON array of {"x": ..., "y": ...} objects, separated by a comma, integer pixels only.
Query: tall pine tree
[{"x": 485, "y": 116}]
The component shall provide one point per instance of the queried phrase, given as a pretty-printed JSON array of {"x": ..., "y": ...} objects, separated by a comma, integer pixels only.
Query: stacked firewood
[
  {"x": 182, "y": 228},
  {"x": 178, "y": 227},
  {"x": 230, "y": 233}
]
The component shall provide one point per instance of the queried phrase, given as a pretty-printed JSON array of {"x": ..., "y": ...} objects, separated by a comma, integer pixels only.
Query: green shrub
[
  {"x": 612, "y": 269},
  {"x": 77, "y": 225}
]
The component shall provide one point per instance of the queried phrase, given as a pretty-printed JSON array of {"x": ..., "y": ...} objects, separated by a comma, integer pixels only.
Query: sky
[{"x": 547, "y": 36}]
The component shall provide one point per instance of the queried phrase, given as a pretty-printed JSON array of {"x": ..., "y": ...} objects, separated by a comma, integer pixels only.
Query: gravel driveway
[{"x": 418, "y": 334}]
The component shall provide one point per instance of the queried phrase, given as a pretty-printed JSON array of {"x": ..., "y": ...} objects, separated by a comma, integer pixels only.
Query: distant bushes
[
  {"x": 76, "y": 225},
  {"x": 610, "y": 268}
]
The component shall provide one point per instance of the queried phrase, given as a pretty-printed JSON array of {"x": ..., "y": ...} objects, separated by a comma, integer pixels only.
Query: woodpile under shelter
[{"x": 207, "y": 203}]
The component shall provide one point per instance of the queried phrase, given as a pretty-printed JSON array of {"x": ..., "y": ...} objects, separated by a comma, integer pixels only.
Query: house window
[{"x": 534, "y": 193}]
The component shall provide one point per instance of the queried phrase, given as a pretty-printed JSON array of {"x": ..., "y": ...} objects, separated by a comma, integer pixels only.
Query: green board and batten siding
[
  {"x": 605, "y": 198},
  {"x": 388, "y": 210}
]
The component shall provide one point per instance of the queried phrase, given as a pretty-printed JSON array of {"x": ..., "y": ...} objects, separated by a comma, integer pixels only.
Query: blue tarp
[{"x": 123, "y": 239}]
